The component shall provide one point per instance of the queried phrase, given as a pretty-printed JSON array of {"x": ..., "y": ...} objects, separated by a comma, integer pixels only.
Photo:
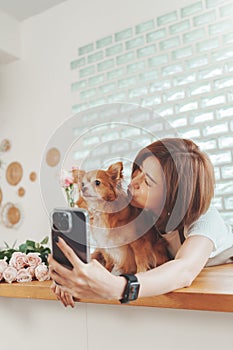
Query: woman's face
[{"x": 147, "y": 186}]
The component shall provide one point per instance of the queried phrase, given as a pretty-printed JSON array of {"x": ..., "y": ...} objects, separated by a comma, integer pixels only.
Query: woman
[{"x": 173, "y": 180}]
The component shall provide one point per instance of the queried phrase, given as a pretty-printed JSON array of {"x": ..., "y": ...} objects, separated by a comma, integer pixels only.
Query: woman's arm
[
  {"x": 93, "y": 281},
  {"x": 180, "y": 272}
]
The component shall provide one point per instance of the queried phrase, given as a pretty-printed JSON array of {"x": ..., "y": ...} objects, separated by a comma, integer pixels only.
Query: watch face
[{"x": 133, "y": 290}]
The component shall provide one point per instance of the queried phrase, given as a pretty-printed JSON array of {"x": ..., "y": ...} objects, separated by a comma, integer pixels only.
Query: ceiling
[{"x": 23, "y": 9}]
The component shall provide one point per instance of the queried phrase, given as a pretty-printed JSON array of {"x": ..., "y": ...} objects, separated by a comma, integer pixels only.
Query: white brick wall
[{"x": 180, "y": 65}]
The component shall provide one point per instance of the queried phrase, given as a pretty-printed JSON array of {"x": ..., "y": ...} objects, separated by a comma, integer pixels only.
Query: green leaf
[
  {"x": 7, "y": 245},
  {"x": 7, "y": 253},
  {"x": 14, "y": 244},
  {"x": 30, "y": 248},
  {"x": 30, "y": 244},
  {"x": 45, "y": 240},
  {"x": 23, "y": 248}
]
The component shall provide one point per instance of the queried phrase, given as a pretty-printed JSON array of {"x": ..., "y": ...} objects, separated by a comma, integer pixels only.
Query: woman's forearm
[
  {"x": 160, "y": 280},
  {"x": 165, "y": 278},
  {"x": 177, "y": 273}
]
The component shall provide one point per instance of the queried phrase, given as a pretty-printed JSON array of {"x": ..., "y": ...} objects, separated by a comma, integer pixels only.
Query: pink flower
[
  {"x": 3, "y": 266},
  {"x": 23, "y": 275},
  {"x": 18, "y": 260},
  {"x": 42, "y": 272},
  {"x": 66, "y": 179},
  {"x": 34, "y": 259},
  {"x": 67, "y": 182},
  {"x": 9, "y": 274},
  {"x": 31, "y": 270}
]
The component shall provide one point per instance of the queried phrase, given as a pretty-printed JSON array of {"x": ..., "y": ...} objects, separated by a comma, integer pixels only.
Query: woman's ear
[{"x": 116, "y": 171}]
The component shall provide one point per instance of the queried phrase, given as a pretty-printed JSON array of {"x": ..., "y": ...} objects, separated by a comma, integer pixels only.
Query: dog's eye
[
  {"x": 82, "y": 184},
  {"x": 97, "y": 182}
]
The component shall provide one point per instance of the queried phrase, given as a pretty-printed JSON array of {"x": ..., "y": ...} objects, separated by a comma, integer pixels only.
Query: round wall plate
[
  {"x": 11, "y": 215},
  {"x": 21, "y": 192},
  {"x": 14, "y": 173},
  {"x": 53, "y": 156},
  {"x": 32, "y": 176}
]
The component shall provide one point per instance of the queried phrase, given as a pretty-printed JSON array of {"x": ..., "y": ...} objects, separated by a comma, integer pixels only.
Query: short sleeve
[{"x": 210, "y": 225}]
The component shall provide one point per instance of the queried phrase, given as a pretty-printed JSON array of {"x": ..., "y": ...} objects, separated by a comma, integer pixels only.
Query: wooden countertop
[{"x": 212, "y": 290}]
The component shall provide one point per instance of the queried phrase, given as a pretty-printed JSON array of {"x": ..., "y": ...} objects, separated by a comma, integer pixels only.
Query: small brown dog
[{"x": 125, "y": 241}]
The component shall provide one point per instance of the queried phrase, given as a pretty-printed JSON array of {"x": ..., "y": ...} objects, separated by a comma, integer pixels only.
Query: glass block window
[{"x": 180, "y": 65}]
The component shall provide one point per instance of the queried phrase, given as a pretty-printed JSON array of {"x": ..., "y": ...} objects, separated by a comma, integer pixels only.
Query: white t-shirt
[{"x": 210, "y": 225}]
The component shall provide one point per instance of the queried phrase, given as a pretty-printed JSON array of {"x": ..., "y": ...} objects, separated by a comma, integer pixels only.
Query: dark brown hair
[{"x": 189, "y": 181}]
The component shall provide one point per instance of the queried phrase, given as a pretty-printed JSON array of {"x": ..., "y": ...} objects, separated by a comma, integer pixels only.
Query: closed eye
[{"x": 149, "y": 177}]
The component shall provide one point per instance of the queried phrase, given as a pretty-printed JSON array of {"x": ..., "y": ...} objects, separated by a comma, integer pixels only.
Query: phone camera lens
[
  {"x": 61, "y": 221},
  {"x": 64, "y": 224}
]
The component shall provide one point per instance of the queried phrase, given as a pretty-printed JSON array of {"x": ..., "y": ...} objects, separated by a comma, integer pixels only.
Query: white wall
[
  {"x": 35, "y": 99},
  {"x": 27, "y": 324},
  {"x": 9, "y": 38}
]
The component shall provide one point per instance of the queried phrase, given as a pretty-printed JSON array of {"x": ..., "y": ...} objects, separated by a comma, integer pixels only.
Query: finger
[
  {"x": 55, "y": 267},
  {"x": 69, "y": 253},
  {"x": 49, "y": 258},
  {"x": 69, "y": 299},
  {"x": 61, "y": 295},
  {"x": 53, "y": 287},
  {"x": 70, "y": 294},
  {"x": 63, "y": 298},
  {"x": 59, "y": 280}
]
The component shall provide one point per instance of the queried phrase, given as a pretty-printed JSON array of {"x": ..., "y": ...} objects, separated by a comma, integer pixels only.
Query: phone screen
[{"x": 73, "y": 226}]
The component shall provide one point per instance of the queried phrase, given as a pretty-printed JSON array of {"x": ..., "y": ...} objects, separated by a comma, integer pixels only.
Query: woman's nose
[{"x": 137, "y": 180}]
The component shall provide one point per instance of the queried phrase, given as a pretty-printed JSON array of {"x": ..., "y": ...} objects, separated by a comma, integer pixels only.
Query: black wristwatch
[{"x": 131, "y": 289}]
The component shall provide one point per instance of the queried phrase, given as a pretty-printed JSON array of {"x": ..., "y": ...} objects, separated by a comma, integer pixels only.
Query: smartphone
[{"x": 73, "y": 226}]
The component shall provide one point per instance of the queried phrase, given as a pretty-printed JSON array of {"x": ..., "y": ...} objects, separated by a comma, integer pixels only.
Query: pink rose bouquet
[
  {"x": 23, "y": 268},
  {"x": 26, "y": 263}
]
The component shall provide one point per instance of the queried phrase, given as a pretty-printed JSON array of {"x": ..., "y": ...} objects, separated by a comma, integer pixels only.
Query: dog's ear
[
  {"x": 78, "y": 175},
  {"x": 116, "y": 171}
]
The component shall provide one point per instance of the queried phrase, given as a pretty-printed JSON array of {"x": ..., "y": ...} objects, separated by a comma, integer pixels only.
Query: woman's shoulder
[{"x": 211, "y": 220}]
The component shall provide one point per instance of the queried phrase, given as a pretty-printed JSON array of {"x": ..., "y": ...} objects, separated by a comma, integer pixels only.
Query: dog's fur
[{"x": 118, "y": 227}]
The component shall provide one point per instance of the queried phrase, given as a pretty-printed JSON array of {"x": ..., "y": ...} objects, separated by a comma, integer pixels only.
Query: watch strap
[{"x": 131, "y": 289}]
